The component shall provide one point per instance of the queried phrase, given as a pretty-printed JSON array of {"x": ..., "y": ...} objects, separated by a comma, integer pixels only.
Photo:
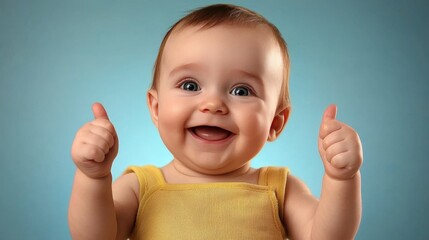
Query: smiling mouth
[{"x": 210, "y": 133}]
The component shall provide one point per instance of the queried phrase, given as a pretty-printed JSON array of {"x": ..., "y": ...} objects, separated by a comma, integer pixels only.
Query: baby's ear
[
  {"x": 278, "y": 123},
  {"x": 152, "y": 102}
]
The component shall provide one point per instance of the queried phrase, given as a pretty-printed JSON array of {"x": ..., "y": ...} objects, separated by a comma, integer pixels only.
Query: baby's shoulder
[
  {"x": 127, "y": 185},
  {"x": 296, "y": 186}
]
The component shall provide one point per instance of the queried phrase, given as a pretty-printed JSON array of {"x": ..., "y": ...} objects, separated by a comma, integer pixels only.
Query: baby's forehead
[
  {"x": 197, "y": 28},
  {"x": 220, "y": 41},
  {"x": 222, "y": 49},
  {"x": 239, "y": 34}
]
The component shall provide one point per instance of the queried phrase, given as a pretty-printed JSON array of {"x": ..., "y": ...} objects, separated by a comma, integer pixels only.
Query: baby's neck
[{"x": 176, "y": 173}]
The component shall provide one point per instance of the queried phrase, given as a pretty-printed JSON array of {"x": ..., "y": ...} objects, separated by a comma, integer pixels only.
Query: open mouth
[{"x": 210, "y": 133}]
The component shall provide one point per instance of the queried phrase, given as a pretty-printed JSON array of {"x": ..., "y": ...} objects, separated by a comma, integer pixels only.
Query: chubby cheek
[
  {"x": 172, "y": 117},
  {"x": 254, "y": 127},
  {"x": 172, "y": 111}
]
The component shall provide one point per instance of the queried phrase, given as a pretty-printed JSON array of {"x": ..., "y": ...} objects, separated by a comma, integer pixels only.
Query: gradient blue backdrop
[{"x": 58, "y": 57}]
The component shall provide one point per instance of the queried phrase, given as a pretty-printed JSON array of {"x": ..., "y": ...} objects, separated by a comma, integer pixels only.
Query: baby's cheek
[
  {"x": 171, "y": 111},
  {"x": 261, "y": 122},
  {"x": 171, "y": 119},
  {"x": 256, "y": 127}
]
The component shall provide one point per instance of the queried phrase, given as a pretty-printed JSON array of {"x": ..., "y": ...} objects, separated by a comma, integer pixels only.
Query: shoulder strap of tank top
[
  {"x": 148, "y": 176},
  {"x": 276, "y": 178}
]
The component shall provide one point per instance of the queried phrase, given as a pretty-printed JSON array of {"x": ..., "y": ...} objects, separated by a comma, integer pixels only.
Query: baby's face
[{"x": 217, "y": 95}]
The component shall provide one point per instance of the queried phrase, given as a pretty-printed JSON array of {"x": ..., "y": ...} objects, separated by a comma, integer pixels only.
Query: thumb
[
  {"x": 99, "y": 111},
  {"x": 330, "y": 112}
]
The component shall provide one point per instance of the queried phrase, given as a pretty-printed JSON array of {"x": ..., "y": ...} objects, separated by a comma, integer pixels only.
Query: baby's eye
[
  {"x": 241, "y": 91},
  {"x": 190, "y": 86}
]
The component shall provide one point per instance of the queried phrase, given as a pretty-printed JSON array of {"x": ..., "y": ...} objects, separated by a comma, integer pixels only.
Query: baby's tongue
[{"x": 211, "y": 133}]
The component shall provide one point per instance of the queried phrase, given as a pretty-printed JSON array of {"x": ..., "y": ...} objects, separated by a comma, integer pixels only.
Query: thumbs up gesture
[
  {"x": 339, "y": 146},
  {"x": 95, "y": 145}
]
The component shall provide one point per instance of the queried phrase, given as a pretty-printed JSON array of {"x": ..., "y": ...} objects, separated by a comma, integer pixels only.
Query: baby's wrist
[
  {"x": 98, "y": 178},
  {"x": 344, "y": 178}
]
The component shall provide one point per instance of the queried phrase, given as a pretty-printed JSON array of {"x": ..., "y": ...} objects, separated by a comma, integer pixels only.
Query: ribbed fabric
[{"x": 230, "y": 210}]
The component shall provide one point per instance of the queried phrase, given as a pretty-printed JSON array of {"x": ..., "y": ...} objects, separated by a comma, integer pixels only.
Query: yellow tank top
[{"x": 230, "y": 210}]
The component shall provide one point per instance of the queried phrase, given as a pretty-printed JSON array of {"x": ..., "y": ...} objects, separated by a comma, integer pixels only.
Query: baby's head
[
  {"x": 226, "y": 14},
  {"x": 220, "y": 88}
]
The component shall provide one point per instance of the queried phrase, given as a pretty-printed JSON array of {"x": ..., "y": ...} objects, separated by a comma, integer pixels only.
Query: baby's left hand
[{"x": 339, "y": 146}]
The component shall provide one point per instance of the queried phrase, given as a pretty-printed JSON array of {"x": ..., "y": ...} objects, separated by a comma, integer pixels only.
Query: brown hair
[{"x": 217, "y": 14}]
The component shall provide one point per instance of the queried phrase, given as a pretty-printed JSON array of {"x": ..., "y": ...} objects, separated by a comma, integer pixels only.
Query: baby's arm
[
  {"x": 337, "y": 215},
  {"x": 96, "y": 211}
]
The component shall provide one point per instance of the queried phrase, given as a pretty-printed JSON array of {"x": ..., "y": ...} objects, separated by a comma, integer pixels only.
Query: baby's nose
[{"x": 213, "y": 104}]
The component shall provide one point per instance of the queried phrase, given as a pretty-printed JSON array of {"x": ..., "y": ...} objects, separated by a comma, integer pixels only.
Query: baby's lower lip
[{"x": 210, "y": 134}]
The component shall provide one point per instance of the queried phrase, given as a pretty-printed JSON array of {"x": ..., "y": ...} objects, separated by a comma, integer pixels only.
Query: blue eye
[
  {"x": 190, "y": 86},
  {"x": 240, "y": 91}
]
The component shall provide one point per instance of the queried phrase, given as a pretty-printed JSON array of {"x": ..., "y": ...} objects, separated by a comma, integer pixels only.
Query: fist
[
  {"x": 95, "y": 145},
  {"x": 339, "y": 146}
]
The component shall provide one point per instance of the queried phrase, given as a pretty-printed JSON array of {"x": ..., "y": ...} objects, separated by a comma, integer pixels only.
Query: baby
[{"x": 219, "y": 93}]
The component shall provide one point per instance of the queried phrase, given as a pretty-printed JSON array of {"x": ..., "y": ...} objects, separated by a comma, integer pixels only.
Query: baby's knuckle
[
  {"x": 109, "y": 126},
  {"x": 325, "y": 145},
  {"x": 92, "y": 153},
  {"x": 108, "y": 136},
  {"x": 106, "y": 147},
  {"x": 106, "y": 124},
  {"x": 330, "y": 152}
]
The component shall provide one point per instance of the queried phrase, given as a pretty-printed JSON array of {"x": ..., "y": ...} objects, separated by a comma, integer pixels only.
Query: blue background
[{"x": 369, "y": 57}]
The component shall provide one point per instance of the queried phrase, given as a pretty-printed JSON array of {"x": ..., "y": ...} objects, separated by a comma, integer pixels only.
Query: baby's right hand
[{"x": 95, "y": 145}]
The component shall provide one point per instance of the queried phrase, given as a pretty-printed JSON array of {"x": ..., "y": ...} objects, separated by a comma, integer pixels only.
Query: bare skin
[
  {"x": 219, "y": 56},
  {"x": 335, "y": 216}
]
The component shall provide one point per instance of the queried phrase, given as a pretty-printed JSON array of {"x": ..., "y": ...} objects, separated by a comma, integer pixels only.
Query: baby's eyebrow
[
  {"x": 188, "y": 66},
  {"x": 248, "y": 75},
  {"x": 201, "y": 68}
]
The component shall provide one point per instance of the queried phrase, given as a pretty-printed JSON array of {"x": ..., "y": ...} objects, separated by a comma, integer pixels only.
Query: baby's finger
[
  {"x": 335, "y": 149},
  {"x": 340, "y": 160},
  {"x": 99, "y": 111},
  {"x": 97, "y": 141},
  {"x": 104, "y": 123},
  {"x": 328, "y": 127},
  {"x": 332, "y": 139},
  {"x": 91, "y": 153},
  {"x": 104, "y": 134}
]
